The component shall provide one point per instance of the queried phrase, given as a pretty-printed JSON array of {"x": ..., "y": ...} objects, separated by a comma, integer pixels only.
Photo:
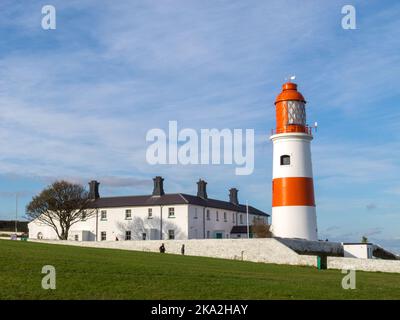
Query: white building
[
  {"x": 358, "y": 250},
  {"x": 158, "y": 216}
]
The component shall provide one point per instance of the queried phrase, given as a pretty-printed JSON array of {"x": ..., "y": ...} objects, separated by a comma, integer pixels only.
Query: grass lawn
[{"x": 89, "y": 273}]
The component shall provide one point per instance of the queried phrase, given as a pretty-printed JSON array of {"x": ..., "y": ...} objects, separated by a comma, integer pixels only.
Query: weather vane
[{"x": 290, "y": 78}]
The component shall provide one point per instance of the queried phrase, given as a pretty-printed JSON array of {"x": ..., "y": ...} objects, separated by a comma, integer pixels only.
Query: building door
[{"x": 218, "y": 235}]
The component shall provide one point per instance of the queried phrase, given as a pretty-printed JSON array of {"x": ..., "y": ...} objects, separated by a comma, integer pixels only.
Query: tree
[
  {"x": 261, "y": 229},
  {"x": 61, "y": 205},
  {"x": 364, "y": 239}
]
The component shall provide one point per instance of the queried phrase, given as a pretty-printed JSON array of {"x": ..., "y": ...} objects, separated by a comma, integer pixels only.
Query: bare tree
[
  {"x": 61, "y": 205},
  {"x": 261, "y": 229}
]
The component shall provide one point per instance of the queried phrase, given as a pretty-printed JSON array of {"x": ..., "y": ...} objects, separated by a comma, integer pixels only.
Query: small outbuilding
[{"x": 358, "y": 250}]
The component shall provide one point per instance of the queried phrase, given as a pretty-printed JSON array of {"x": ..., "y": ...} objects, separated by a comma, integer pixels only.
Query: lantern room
[{"x": 290, "y": 110}]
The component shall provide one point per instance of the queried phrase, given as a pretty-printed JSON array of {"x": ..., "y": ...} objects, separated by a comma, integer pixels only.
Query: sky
[{"x": 76, "y": 102}]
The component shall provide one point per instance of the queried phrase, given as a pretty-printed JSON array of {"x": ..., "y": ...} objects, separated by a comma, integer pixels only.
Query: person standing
[{"x": 162, "y": 248}]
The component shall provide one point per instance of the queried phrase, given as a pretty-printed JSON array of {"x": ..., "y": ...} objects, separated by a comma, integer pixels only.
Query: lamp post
[
  {"x": 247, "y": 220},
  {"x": 16, "y": 212}
]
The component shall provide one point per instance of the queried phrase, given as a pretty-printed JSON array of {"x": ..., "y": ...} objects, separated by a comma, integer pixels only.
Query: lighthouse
[{"x": 293, "y": 203}]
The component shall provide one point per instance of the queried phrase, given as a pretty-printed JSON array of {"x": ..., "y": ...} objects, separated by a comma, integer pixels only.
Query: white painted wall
[
  {"x": 364, "y": 264},
  {"x": 256, "y": 250},
  {"x": 297, "y": 146},
  {"x": 294, "y": 222},
  {"x": 36, "y": 227},
  {"x": 359, "y": 250}
]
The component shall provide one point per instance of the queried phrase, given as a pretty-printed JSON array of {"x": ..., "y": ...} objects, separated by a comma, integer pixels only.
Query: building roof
[{"x": 171, "y": 199}]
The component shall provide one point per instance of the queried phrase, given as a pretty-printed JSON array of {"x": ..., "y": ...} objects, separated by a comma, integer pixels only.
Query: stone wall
[
  {"x": 256, "y": 250},
  {"x": 364, "y": 264}
]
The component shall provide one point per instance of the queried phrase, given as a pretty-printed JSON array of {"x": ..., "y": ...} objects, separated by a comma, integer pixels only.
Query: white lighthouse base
[{"x": 294, "y": 222}]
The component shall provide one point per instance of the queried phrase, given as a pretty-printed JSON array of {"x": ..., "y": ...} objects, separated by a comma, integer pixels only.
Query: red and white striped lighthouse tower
[{"x": 293, "y": 203}]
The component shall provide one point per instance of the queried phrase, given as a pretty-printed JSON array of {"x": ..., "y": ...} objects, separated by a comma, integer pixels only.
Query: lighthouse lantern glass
[{"x": 296, "y": 113}]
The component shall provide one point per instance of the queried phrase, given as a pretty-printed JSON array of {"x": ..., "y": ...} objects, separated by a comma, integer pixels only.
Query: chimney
[
  {"x": 158, "y": 186},
  {"x": 94, "y": 190},
  {"x": 201, "y": 189},
  {"x": 233, "y": 196}
]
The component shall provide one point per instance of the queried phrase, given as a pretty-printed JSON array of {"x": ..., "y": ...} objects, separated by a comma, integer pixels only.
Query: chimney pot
[
  {"x": 202, "y": 189},
  {"x": 158, "y": 186},
  {"x": 94, "y": 190},
  {"x": 233, "y": 196}
]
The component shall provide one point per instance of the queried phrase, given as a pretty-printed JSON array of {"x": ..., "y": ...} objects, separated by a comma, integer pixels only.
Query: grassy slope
[{"x": 88, "y": 273}]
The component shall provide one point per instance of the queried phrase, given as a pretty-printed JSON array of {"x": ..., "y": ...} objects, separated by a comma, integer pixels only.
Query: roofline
[{"x": 187, "y": 202}]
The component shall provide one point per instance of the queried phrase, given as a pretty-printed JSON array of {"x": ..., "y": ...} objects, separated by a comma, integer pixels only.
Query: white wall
[
  {"x": 364, "y": 264},
  {"x": 116, "y": 225},
  {"x": 48, "y": 232},
  {"x": 256, "y": 250},
  {"x": 362, "y": 250},
  {"x": 213, "y": 225},
  {"x": 297, "y": 146}
]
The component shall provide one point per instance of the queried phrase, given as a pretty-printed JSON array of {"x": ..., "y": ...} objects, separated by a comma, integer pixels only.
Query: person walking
[{"x": 183, "y": 249}]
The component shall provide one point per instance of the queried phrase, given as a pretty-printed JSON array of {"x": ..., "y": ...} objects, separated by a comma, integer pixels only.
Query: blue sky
[{"x": 77, "y": 102}]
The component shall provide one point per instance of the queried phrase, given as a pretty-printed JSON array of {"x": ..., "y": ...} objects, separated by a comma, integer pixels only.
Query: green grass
[{"x": 89, "y": 273}]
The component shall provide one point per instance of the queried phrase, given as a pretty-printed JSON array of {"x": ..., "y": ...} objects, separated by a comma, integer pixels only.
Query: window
[
  {"x": 103, "y": 236},
  {"x": 128, "y": 214},
  {"x": 144, "y": 236},
  {"x": 285, "y": 160},
  {"x": 296, "y": 113},
  {"x": 171, "y": 234},
  {"x": 233, "y": 217},
  {"x": 83, "y": 216},
  {"x": 171, "y": 212},
  {"x": 241, "y": 219},
  {"x": 225, "y": 217},
  {"x": 208, "y": 234},
  {"x": 208, "y": 214},
  {"x": 103, "y": 214},
  {"x": 76, "y": 237},
  {"x": 195, "y": 213},
  {"x": 128, "y": 235},
  {"x": 150, "y": 213},
  {"x": 216, "y": 216}
]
